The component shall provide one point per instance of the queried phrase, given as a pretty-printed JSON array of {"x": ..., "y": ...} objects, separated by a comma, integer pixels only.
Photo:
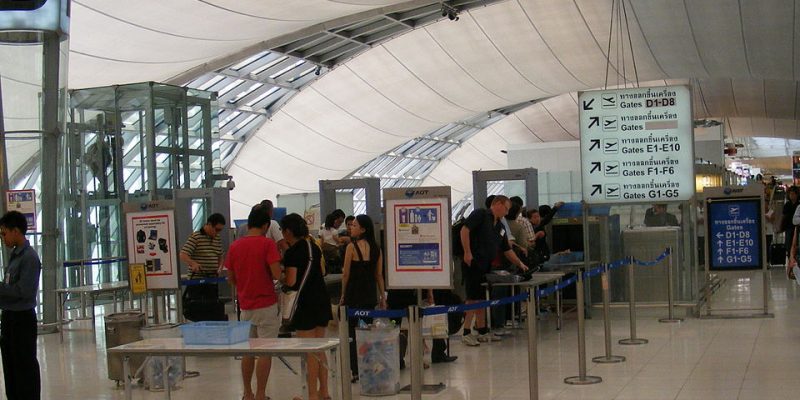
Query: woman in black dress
[
  {"x": 313, "y": 302},
  {"x": 362, "y": 277}
]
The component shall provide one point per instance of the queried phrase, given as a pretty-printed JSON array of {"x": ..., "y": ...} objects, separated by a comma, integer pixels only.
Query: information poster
[
  {"x": 418, "y": 238},
  {"x": 23, "y": 201},
  {"x": 151, "y": 242},
  {"x": 734, "y": 233}
]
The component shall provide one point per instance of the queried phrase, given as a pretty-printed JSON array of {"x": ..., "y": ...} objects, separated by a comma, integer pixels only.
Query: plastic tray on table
[{"x": 216, "y": 332}]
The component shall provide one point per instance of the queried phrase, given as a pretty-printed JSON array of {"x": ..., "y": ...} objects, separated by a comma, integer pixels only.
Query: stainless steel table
[
  {"x": 92, "y": 291},
  {"x": 253, "y": 347},
  {"x": 537, "y": 279}
]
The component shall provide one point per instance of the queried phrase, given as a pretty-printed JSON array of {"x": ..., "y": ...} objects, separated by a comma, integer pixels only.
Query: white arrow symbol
[
  {"x": 719, "y": 235},
  {"x": 719, "y": 242},
  {"x": 719, "y": 259}
]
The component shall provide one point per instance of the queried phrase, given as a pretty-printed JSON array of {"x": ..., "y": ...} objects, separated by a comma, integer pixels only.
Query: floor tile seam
[
  {"x": 750, "y": 360},
  {"x": 663, "y": 345},
  {"x": 705, "y": 350}
]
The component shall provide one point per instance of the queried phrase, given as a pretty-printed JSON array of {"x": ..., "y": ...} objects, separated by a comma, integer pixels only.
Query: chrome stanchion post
[
  {"x": 128, "y": 379},
  {"x": 670, "y": 295},
  {"x": 633, "y": 340},
  {"x": 415, "y": 347},
  {"x": 344, "y": 354},
  {"x": 82, "y": 296},
  {"x": 533, "y": 351},
  {"x": 608, "y": 358},
  {"x": 582, "y": 378}
]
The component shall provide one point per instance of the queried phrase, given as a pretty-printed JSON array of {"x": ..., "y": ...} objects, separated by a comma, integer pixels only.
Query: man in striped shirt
[{"x": 202, "y": 252}]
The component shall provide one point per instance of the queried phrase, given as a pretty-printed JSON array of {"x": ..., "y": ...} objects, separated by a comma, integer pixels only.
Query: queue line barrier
[{"x": 415, "y": 314}]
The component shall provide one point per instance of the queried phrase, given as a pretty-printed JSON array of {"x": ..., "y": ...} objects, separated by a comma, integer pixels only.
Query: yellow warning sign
[{"x": 137, "y": 279}]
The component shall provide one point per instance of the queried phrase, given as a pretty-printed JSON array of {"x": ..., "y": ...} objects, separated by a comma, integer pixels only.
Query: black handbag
[{"x": 201, "y": 303}]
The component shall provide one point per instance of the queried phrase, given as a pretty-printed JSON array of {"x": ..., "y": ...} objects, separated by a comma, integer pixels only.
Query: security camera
[{"x": 230, "y": 184}]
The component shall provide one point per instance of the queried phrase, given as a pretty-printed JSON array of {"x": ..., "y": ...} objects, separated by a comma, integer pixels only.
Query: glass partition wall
[{"x": 126, "y": 143}]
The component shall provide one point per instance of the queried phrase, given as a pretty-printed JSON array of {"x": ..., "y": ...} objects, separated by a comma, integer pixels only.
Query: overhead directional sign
[
  {"x": 637, "y": 145},
  {"x": 734, "y": 233}
]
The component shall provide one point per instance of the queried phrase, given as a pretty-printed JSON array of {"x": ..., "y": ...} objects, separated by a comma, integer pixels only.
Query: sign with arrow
[
  {"x": 734, "y": 230},
  {"x": 637, "y": 145}
]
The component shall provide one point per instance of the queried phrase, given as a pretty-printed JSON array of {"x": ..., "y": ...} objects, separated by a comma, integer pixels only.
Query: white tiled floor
[{"x": 696, "y": 359}]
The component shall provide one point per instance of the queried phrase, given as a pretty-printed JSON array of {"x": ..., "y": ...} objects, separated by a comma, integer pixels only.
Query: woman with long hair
[
  {"x": 362, "y": 277},
  {"x": 313, "y": 302}
]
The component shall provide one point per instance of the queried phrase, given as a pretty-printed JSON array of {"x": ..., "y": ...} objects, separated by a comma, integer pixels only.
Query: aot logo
[
  {"x": 495, "y": 302},
  {"x": 452, "y": 309},
  {"x": 361, "y": 313},
  {"x": 729, "y": 190},
  {"x": 412, "y": 192}
]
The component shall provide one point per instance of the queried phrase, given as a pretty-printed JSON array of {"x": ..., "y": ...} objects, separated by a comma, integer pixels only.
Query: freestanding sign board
[
  {"x": 735, "y": 239},
  {"x": 151, "y": 241},
  {"x": 418, "y": 238},
  {"x": 637, "y": 145},
  {"x": 23, "y": 201},
  {"x": 734, "y": 233}
]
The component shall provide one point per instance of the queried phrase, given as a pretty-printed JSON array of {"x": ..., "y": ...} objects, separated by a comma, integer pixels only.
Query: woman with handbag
[
  {"x": 362, "y": 277},
  {"x": 311, "y": 306}
]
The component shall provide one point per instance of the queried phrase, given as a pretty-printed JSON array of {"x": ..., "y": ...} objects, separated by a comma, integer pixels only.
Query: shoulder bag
[{"x": 289, "y": 297}]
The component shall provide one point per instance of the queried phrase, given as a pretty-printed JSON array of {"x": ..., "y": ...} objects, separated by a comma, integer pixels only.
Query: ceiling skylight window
[
  {"x": 304, "y": 73},
  {"x": 230, "y": 87},
  {"x": 211, "y": 82},
  {"x": 229, "y": 118},
  {"x": 269, "y": 65},
  {"x": 249, "y": 61},
  {"x": 262, "y": 96},
  {"x": 287, "y": 69},
  {"x": 246, "y": 92},
  {"x": 246, "y": 121}
]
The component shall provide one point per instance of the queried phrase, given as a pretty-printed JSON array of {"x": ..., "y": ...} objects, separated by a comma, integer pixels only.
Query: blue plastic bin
[{"x": 216, "y": 332}]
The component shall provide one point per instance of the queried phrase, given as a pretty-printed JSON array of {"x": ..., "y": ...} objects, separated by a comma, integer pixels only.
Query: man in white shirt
[{"x": 273, "y": 231}]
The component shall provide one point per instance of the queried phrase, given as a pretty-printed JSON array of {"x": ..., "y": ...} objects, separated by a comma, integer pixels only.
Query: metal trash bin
[
  {"x": 122, "y": 328},
  {"x": 154, "y": 366}
]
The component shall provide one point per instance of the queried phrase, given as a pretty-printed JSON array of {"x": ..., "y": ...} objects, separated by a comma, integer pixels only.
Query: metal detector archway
[
  {"x": 481, "y": 179},
  {"x": 372, "y": 195}
]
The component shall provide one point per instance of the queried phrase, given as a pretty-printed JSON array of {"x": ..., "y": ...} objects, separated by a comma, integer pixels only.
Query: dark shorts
[{"x": 474, "y": 276}]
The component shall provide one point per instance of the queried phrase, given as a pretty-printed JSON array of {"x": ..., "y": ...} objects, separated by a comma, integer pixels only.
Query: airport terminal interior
[{"x": 625, "y": 173}]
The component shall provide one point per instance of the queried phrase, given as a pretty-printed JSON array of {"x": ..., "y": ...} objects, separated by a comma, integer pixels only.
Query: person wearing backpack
[{"x": 482, "y": 237}]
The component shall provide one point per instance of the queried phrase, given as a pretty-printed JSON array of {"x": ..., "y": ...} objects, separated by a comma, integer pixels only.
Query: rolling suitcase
[{"x": 777, "y": 254}]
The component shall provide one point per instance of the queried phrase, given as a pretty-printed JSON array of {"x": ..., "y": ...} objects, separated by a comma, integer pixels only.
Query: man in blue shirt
[{"x": 18, "y": 303}]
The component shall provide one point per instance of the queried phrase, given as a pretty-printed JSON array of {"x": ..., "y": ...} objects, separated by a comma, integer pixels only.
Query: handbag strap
[{"x": 308, "y": 267}]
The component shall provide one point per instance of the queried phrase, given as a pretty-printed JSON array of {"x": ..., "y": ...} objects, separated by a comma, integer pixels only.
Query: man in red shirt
[{"x": 253, "y": 264}]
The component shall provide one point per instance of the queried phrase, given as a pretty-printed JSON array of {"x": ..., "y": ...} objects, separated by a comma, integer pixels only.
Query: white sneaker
[
  {"x": 501, "y": 332},
  {"x": 470, "y": 340},
  {"x": 486, "y": 337}
]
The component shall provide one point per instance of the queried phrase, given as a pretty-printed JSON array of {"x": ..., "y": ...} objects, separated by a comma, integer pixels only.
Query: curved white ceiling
[
  {"x": 517, "y": 51},
  {"x": 119, "y": 41},
  {"x": 742, "y": 58}
]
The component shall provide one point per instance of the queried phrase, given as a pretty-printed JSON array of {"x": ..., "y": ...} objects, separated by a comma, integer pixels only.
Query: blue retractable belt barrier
[
  {"x": 593, "y": 272},
  {"x": 548, "y": 291},
  {"x": 474, "y": 306},
  {"x": 93, "y": 262},
  {"x": 658, "y": 259},
  {"x": 192, "y": 282},
  {"x": 539, "y": 293},
  {"x": 354, "y": 312}
]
